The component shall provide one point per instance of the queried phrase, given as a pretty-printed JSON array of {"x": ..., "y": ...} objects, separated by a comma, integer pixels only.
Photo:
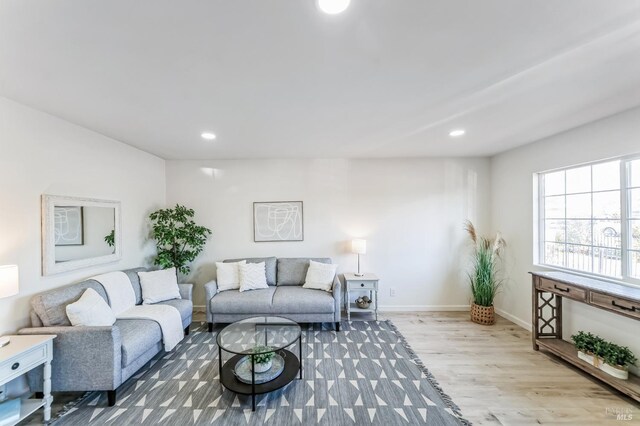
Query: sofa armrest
[
  {"x": 84, "y": 358},
  {"x": 186, "y": 291},
  {"x": 337, "y": 298},
  {"x": 210, "y": 289}
]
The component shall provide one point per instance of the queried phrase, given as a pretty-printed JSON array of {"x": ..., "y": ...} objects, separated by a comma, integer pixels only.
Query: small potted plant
[
  {"x": 606, "y": 356},
  {"x": 586, "y": 344},
  {"x": 484, "y": 279},
  {"x": 617, "y": 360},
  {"x": 263, "y": 358}
]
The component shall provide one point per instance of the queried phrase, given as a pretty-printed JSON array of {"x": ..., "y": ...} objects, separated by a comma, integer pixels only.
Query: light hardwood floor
[{"x": 495, "y": 377}]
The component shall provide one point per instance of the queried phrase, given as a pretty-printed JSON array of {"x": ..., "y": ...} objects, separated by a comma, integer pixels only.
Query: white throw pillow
[
  {"x": 253, "y": 276},
  {"x": 158, "y": 286},
  {"x": 90, "y": 310},
  {"x": 228, "y": 275},
  {"x": 320, "y": 276}
]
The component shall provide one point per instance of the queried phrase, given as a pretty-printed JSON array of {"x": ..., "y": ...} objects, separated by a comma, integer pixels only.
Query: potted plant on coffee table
[
  {"x": 484, "y": 279},
  {"x": 263, "y": 358}
]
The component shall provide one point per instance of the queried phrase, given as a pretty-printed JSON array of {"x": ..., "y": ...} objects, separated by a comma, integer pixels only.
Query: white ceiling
[{"x": 277, "y": 78}]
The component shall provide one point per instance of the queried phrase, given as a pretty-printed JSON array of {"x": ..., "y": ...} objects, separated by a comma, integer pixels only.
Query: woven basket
[{"x": 484, "y": 315}]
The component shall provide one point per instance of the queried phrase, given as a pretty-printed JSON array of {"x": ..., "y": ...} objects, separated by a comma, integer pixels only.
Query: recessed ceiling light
[
  {"x": 208, "y": 136},
  {"x": 456, "y": 133},
  {"x": 333, "y": 7}
]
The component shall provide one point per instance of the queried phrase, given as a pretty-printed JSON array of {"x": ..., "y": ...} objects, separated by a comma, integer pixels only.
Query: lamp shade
[
  {"x": 8, "y": 280},
  {"x": 359, "y": 246}
]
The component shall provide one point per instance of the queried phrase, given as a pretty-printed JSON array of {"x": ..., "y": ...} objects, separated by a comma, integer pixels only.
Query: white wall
[
  {"x": 411, "y": 211},
  {"x": 512, "y": 213},
  {"x": 41, "y": 154}
]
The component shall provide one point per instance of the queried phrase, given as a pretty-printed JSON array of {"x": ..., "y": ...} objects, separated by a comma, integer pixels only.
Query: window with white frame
[{"x": 590, "y": 219}]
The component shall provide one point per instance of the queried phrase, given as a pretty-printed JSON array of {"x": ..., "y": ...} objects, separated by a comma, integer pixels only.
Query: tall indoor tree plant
[
  {"x": 179, "y": 239},
  {"x": 484, "y": 279}
]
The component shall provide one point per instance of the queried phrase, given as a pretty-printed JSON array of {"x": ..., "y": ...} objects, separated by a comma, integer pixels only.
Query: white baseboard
[
  {"x": 424, "y": 308},
  {"x": 524, "y": 324}
]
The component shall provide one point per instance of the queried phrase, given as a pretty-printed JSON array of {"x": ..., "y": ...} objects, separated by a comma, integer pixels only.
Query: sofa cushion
[
  {"x": 293, "y": 271},
  {"x": 135, "y": 282},
  {"x": 51, "y": 306},
  {"x": 269, "y": 266},
  {"x": 138, "y": 336},
  {"x": 184, "y": 306},
  {"x": 249, "y": 302},
  {"x": 299, "y": 300}
]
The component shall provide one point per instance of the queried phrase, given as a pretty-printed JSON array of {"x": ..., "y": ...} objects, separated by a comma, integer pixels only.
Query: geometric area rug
[{"x": 366, "y": 374}]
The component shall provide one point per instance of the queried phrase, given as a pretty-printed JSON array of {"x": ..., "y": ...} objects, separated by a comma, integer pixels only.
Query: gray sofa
[
  {"x": 97, "y": 358},
  {"x": 285, "y": 296}
]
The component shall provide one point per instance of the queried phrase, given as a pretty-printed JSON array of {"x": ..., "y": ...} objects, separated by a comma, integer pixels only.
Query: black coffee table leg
[
  {"x": 220, "y": 363},
  {"x": 253, "y": 384},
  {"x": 300, "y": 344}
]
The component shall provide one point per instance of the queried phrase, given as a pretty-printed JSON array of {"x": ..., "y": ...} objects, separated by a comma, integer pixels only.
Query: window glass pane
[
  {"x": 579, "y": 257},
  {"x": 579, "y": 180},
  {"x": 606, "y": 233},
  {"x": 607, "y": 261},
  {"x": 579, "y": 231},
  {"x": 606, "y": 176},
  {"x": 634, "y": 171},
  {"x": 554, "y": 183},
  {"x": 554, "y": 254},
  {"x": 606, "y": 205},
  {"x": 634, "y": 267},
  {"x": 634, "y": 203},
  {"x": 634, "y": 241},
  {"x": 554, "y": 230},
  {"x": 554, "y": 207},
  {"x": 579, "y": 206}
]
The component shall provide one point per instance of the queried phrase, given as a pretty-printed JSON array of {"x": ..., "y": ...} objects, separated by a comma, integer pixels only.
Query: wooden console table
[{"x": 548, "y": 290}]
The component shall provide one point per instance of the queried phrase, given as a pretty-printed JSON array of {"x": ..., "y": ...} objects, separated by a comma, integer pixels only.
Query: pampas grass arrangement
[{"x": 484, "y": 279}]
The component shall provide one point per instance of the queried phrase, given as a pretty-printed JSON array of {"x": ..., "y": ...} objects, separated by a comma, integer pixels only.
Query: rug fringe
[{"x": 416, "y": 360}]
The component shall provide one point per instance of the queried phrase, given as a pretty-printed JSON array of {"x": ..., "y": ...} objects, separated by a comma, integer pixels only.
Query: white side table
[
  {"x": 23, "y": 354},
  {"x": 367, "y": 282}
]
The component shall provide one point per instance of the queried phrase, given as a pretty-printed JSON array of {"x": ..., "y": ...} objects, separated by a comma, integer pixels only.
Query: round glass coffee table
[{"x": 240, "y": 339}]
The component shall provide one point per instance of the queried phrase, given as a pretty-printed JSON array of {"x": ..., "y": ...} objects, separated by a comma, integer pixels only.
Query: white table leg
[{"x": 46, "y": 389}]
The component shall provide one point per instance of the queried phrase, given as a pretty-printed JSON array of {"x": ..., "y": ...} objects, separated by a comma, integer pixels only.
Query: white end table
[
  {"x": 23, "y": 354},
  {"x": 367, "y": 282}
]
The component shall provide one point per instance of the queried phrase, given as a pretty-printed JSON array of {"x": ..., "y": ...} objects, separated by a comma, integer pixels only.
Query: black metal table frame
[{"x": 253, "y": 373}]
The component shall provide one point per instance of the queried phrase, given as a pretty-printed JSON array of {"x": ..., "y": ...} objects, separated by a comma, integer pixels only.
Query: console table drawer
[
  {"x": 564, "y": 290},
  {"x": 617, "y": 304}
]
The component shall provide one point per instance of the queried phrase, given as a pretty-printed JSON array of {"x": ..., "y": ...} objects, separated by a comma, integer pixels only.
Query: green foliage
[
  {"x": 111, "y": 238},
  {"x": 484, "y": 279},
  {"x": 266, "y": 356},
  {"x": 178, "y": 239},
  {"x": 611, "y": 353}
]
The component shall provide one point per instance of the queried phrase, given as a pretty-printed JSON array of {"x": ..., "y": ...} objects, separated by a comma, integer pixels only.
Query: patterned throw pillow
[{"x": 253, "y": 276}]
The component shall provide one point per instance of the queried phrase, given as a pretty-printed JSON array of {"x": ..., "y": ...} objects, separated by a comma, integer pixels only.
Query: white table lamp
[
  {"x": 359, "y": 247},
  {"x": 8, "y": 287}
]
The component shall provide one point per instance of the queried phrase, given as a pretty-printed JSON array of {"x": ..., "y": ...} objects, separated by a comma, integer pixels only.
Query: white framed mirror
[{"x": 78, "y": 233}]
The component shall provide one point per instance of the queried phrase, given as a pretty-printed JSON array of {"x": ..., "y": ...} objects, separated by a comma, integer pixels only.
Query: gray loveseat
[
  {"x": 97, "y": 358},
  {"x": 285, "y": 296}
]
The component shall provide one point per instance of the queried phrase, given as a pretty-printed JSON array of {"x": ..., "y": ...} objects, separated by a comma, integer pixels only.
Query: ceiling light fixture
[
  {"x": 208, "y": 136},
  {"x": 456, "y": 133},
  {"x": 333, "y": 7}
]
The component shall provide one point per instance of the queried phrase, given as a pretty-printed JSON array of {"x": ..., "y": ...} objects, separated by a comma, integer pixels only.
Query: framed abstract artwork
[{"x": 278, "y": 221}]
